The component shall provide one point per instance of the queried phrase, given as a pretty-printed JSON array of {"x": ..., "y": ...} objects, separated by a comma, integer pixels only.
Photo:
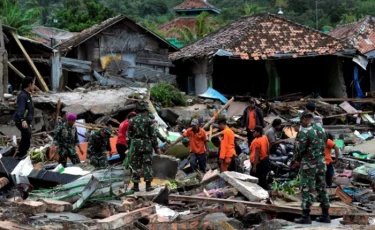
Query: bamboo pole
[
  {"x": 40, "y": 78},
  {"x": 19, "y": 73},
  {"x": 221, "y": 110}
]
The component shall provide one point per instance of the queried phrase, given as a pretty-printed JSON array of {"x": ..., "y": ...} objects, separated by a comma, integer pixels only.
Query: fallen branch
[{"x": 345, "y": 114}]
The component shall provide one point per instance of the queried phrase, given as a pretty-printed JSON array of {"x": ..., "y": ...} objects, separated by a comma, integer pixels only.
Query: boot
[
  {"x": 325, "y": 218},
  {"x": 149, "y": 187},
  {"x": 305, "y": 219},
  {"x": 135, "y": 187}
]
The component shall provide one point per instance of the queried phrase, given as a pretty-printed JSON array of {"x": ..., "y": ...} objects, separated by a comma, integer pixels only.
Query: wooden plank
[
  {"x": 342, "y": 99},
  {"x": 345, "y": 114},
  {"x": 19, "y": 73},
  {"x": 31, "y": 63},
  {"x": 221, "y": 110}
]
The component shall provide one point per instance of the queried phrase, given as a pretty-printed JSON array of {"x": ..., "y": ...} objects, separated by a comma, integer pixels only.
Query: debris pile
[{"x": 38, "y": 193}]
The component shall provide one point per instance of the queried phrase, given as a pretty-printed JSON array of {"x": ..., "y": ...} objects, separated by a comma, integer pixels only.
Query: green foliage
[
  {"x": 287, "y": 187},
  {"x": 78, "y": 15},
  {"x": 168, "y": 95},
  {"x": 13, "y": 15}
]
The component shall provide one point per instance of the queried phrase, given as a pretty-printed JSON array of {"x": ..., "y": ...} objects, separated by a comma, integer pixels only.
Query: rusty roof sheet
[
  {"x": 263, "y": 36},
  {"x": 194, "y": 5},
  {"x": 94, "y": 30},
  {"x": 177, "y": 23},
  {"x": 359, "y": 34}
]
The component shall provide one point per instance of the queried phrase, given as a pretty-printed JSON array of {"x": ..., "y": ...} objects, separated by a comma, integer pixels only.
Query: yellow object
[{"x": 104, "y": 61}]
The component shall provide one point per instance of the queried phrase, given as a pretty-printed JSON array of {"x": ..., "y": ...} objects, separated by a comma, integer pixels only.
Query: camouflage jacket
[
  {"x": 143, "y": 128},
  {"x": 65, "y": 136},
  {"x": 310, "y": 143},
  {"x": 97, "y": 143}
]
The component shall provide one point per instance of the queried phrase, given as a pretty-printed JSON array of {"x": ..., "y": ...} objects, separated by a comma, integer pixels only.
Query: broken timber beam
[
  {"x": 221, "y": 110},
  {"x": 344, "y": 114},
  {"x": 19, "y": 73},
  {"x": 40, "y": 78},
  {"x": 315, "y": 210},
  {"x": 342, "y": 99}
]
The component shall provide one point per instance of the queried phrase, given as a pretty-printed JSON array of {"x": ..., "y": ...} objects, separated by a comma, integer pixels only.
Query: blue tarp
[
  {"x": 356, "y": 84},
  {"x": 213, "y": 94}
]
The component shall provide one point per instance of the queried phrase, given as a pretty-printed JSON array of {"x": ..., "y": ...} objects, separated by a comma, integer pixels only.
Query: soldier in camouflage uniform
[
  {"x": 310, "y": 151},
  {"x": 98, "y": 146},
  {"x": 144, "y": 136},
  {"x": 66, "y": 137}
]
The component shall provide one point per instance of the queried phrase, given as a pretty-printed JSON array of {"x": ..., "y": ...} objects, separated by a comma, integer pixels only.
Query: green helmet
[{"x": 142, "y": 106}]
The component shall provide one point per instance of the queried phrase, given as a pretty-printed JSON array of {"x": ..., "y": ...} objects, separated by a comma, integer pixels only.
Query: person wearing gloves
[
  {"x": 66, "y": 138},
  {"x": 198, "y": 146}
]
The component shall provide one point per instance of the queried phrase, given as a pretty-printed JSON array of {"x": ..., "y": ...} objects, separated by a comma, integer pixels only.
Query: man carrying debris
[
  {"x": 227, "y": 147},
  {"x": 98, "y": 145},
  {"x": 144, "y": 137},
  {"x": 198, "y": 146},
  {"x": 252, "y": 116},
  {"x": 66, "y": 137},
  {"x": 24, "y": 115},
  {"x": 309, "y": 150},
  {"x": 121, "y": 144}
]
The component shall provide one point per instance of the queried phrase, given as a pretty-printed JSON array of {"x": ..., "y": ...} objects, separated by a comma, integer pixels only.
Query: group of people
[
  {"x": 311, "y": 153},
  {"x": 139, "y": 133}
]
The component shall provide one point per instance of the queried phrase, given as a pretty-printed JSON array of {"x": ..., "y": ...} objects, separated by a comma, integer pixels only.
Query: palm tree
[
  {"x": 203, "y": 26},
  {"x": 12, "y": 15}
]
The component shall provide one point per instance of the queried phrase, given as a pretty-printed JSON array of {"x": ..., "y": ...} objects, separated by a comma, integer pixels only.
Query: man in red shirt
[
  {"x": 329, "y": 162},
  {"x": 260, "y": 165},
  {"x": 121, "y": 144},
  {"x": 227, "y": 147}
]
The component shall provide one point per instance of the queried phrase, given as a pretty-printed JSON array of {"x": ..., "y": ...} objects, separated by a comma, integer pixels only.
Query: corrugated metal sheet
[{"x": 75, "y": 65}]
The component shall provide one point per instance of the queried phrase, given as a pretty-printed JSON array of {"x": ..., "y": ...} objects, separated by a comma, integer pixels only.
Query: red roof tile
[
  {"x": 177, "y": 23},
  {"x": 194, "y": 4},
  {"x": 360, "y": 34},
  {"x": 263, "y": 36}
]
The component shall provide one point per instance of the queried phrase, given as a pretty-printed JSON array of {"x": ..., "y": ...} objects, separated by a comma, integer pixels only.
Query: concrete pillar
[
  {"x": 56, "y": 70},
  {"x": 273, "y": 79},
  {"x": 335, "y": 83},
  {"x": 201, "y": 77}
]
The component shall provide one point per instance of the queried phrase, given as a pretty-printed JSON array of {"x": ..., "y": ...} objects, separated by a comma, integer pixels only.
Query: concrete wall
[
  {"x": 336, "y": 81},
  {"x": 201, "y": 78},
  {"x": 56, "y": 71}
]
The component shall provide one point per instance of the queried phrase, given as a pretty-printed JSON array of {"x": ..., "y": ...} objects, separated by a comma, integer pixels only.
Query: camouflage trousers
[
  {"x": 98, "y": 160},
  {"x": 141, "y": 160},
  {"x": 313, "y": 184},
  {"x": 64, "y": 153}
]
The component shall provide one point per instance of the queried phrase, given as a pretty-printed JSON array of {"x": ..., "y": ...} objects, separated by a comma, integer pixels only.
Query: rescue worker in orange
[
  {"x": 260, "y": 164},
  {"x": 227, "y": 147},
  {"x": 252, "y": 117}
]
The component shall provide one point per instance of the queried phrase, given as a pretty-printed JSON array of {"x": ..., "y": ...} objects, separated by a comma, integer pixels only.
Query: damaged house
[
  {"x": 264, "y": 55},
  {"x": 119, "y": 51},
  {"x": 362, "y": 36}
]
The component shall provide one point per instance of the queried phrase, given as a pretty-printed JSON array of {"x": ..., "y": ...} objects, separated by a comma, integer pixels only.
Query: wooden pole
[
  {"x": 58, "y": 109},
  {"x": 344, "y": 114},
  {"x": 221, "y": 110},
  {"x": 210, "y": 133},
  {"x": 19, "y": 73},
  {"x": 40, "y": 78}
]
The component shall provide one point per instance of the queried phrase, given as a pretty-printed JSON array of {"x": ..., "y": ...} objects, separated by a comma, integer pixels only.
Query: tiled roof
[
  {"x": 94, "y": 30},
  {"x": 180, "y": 22},
  {"x": 264, "y": 36},
  {"x": 194, "y": 4},
  {"x": 360, "y": 34}
]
